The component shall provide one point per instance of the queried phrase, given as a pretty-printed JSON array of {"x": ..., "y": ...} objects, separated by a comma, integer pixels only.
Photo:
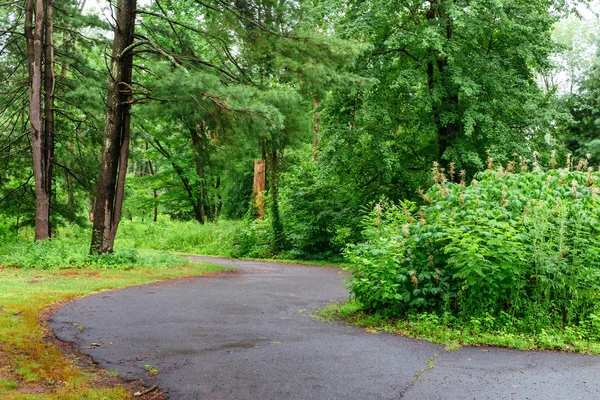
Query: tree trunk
[
  {"x": 155, "y": 217},
  {"x": 259, "y": 187},
  {"x": 49, "y": 85},
  {"x": 38, "y": 19},
  {"x": 70, "y": 200},
  {"x": 447, "y": 131},
  {"x": 276, "y": 224},
  {"x": 115, "y": 145},
  {"x": 92, "y": 202},
  {"x": 316, "y": 127},
  {"x": 197, "y": 136}
]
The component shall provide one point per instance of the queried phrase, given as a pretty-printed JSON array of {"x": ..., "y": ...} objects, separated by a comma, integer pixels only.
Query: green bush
[
  {"x": 255, "y": 240},
  {"x": 511, "y": 249}
]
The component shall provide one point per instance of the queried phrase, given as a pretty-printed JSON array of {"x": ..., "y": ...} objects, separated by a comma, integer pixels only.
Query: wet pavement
[{"x": 248, "y": 334}]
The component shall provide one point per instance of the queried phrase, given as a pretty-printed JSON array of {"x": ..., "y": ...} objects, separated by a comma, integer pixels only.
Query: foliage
[
  {"x": 181, "y": 236},
  {"x": 79, "y": 41},
  {"x": 454, "y": 332},
  {"x": 316, "y": 220},
  {"x": 520, "y": 249},
  {"x": 68, "y": 250},
  {"x": 582, "y": 133}
]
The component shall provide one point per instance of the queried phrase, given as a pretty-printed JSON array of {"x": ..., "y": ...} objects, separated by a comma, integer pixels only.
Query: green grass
[
  {"x": 215, "y": 239},
  {"x": 453, "y": 333},
  {"x": 55, "y": 271},
  {"x": 70, "y": 248}
]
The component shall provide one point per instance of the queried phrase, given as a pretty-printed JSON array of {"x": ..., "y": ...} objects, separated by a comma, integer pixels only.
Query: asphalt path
[{"x": 248, "y": 334}]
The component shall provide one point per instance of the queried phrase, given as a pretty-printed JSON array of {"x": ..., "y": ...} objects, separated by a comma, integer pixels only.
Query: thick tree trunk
[
  {"x": 49, "y": 85},
  {"x": 258, "y": 191},
  {"x": 37, "y": 21},
  {"x": 115, "y": 145}
]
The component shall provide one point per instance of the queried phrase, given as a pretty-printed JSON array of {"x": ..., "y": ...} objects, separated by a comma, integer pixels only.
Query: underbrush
[
  {"x": 454, "y": 332},
  {"x": 512, "y": 253},
  {"x": 70, "y": 249},
  {"x": 216, "y": 239}
]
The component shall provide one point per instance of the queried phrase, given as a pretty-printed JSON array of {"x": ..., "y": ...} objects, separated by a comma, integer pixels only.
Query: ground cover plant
[
  {"x": 215, "y": 239},
  {"x": 30, "y": 365},
  {"x": 512, "y": 255},
  {"x": 246, "y": 238}
]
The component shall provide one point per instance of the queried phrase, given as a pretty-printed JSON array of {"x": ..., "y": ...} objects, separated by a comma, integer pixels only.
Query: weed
[
  {"x": 430, "y": 366},
  {"x": 8, "y": 384},
  {"x": 516, "y": 255},
  {"x": 151, "y": 369},
  {"x": 452, "y": 345},
  {"x": 453, "y": 333},
  {"x": 81, "y": 328}
]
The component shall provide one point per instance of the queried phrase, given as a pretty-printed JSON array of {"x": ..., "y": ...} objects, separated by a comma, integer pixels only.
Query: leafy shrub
[
  {"x": 519, "y": 249},
  {"x": 255, "y": 240}
]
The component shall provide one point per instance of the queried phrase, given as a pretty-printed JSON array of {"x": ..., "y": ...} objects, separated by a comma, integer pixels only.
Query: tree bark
[
  {"x": 92, "y": 202},
  {"x": 259, "y": 187},
  {"x": 155, "y": 217},
  {"x": 38, "y": 34},
  {"x": 71, "y": 212},
  {"x": 115, "y": 145},
  {"x": 49, "y": 85},
  {"x": 197, "y": 136}
]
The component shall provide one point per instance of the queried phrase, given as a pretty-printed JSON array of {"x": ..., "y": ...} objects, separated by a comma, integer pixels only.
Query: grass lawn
[{"x": 32, "y": 366}]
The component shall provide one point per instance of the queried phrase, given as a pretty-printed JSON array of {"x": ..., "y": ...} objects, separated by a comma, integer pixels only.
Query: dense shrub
[
  {"x": 317, "y": 219},
  {"x": 255, "y": 240},
  {"x": 517, "y": 248}
]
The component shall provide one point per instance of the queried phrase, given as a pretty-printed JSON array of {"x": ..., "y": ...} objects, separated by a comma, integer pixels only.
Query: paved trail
[{"x": 247, "y": 335}]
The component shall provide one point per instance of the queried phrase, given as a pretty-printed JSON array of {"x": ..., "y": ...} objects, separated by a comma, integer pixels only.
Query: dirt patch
[{"x": 74, "y": 272}]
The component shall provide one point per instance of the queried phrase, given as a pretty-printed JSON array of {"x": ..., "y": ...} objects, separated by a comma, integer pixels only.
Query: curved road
[{"x": 248, "y": 335}]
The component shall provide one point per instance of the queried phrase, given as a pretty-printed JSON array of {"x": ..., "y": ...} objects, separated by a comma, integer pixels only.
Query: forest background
[
  {"x": 447, "y": 150},
  {"x": 346, "y": 103}
]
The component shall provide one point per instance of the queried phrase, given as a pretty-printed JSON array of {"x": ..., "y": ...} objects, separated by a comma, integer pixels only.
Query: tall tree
[
  {"x": 115, "y": 144},
  {"x": 40, "y": 56}
]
